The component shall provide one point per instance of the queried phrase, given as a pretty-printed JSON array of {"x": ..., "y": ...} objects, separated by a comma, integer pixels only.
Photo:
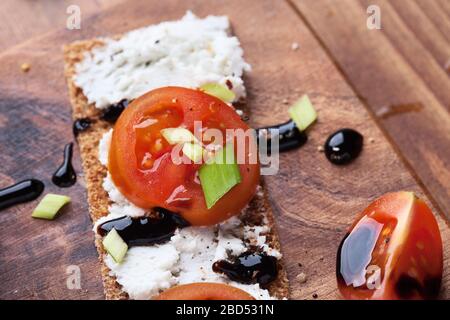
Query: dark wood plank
[
  {"x": 375, "y": 63},
  {"x": 314, "y": 201}
]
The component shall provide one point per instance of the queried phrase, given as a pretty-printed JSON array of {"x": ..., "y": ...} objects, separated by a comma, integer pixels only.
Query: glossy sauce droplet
[
  {"x": 343, "y": 146},
  {"x": 145, "y": 230},
  {"x": 20, "y": 192},
  {"x": 81, "y": 125},
  {"x": 290, "y": 137},
  {"x": 249, "y": 267},
  {"x": 65, "y": 175},
  {"x": 113, "y": 112}
]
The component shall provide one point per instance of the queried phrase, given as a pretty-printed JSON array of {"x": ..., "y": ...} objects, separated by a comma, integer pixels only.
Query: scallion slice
[
  {"x": 193, "y": 151},
  {"x": 303, "y": 113},
  {"x": 219, "y": 175},
  {"x": 219, "y": 91},
  {"x": 178, "y": 135},
  {"x": 115, "y": 246},
  {"x": 49, "y": 206}
]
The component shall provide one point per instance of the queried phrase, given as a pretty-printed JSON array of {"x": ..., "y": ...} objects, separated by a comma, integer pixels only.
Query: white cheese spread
[{"x": 188, "y": 53}]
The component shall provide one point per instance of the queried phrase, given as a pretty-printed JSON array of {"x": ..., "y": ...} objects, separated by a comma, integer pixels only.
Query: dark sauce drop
[
  {"x": 290, "y": 137},
  {"x": 81, "y": 125},
  {"x": 113, "y": 112},
  {"x": 249, "y": 267},
  {"x": 145, "y": 230},
  {"x": 343, "y": 146},
  {"x": 65, "y": 175},
  {"x": 20, "y": 192}
]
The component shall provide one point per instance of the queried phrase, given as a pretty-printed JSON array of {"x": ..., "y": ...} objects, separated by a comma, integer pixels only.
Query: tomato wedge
[
  {"x": 204, "y": 291},
  {"x": 392, "y": 251},
  {"x": 141, "y": 165}
]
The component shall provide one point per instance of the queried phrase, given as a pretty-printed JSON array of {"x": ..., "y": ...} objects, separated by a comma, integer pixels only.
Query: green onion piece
[
  {"x": 178, "y": 135},
  {"x": 115, "y": 245},
  {"x": 193, "y": 151},
  {"x": 49, "y": 206},
  {"x": 219, "y": 175},
  {"x": 219, "y": 91},
  {"x": 303, "y": 113}
]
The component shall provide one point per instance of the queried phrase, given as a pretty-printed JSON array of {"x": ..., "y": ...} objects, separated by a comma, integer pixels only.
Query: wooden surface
[
  {"x": 314, "y": 201},
  {"x": 405, "y": 63}
]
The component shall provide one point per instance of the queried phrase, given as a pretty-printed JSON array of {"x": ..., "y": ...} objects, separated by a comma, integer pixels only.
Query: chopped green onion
[
  {"x": 219, "y": 91},
  {"x": 303, "y": 113},
  {"x": 178, "y": 135},
  {"x": 193, "y": 151},
  {"x": 219, "y": 175},
  {"x": 115, "y": 245},
  {"x": 49, "y": 206}
]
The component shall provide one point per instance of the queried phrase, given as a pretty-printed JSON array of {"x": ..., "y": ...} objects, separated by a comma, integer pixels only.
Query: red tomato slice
[
  {"x": 392, "y": 251},
  {"x": 140, "y": 159},
  {"x": 204, "y": 291}
]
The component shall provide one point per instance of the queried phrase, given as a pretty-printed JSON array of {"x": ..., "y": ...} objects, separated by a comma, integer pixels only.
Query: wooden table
[{"x": 393, "y": 83}]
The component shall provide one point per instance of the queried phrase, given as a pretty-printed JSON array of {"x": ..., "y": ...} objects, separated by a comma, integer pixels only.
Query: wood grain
[
  {"x": 389, "y": 68},
  {"x": 24, "y": 19},
  {"x": 313, "y": 200}
]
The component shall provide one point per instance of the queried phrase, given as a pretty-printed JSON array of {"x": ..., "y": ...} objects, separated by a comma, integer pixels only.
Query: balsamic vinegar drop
[{"x": 65, "y": 175}]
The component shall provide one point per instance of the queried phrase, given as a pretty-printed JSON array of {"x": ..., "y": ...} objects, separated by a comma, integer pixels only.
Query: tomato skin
[
  {"x": 407, "y": 251},
  {"x": 135, "y": 152},
  {"x": 204, "y": 291}
]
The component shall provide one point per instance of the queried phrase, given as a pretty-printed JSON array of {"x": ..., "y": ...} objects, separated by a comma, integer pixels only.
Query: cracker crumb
[
  {"x": 320, "y": 148},
  {"x": 301, "y": 277},
  {"x": 25, "y": 67},
  {"x": 295, "y": 46},
  {"x": 371, "y": 140},
  {"x": 285, "y": 101}
]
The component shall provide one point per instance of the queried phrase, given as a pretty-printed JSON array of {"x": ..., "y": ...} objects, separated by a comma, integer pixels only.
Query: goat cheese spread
[{"x": 187, "y": 53}]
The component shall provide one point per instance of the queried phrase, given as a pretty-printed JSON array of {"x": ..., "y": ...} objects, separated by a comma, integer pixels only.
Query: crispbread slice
[{"x": 94, "y": 173}]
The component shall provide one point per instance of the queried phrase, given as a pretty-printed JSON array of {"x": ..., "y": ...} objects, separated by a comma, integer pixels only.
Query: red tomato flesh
[
  {"x": 204, "y": 291},
  {"x": 140, "y": 160},
  {"x": 392, "y": 251}
]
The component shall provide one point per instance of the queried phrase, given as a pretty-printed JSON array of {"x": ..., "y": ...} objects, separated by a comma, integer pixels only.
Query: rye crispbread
[{"x": 94, "y": 173}]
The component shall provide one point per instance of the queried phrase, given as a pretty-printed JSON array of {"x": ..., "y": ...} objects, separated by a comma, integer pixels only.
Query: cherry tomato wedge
[
  {"x": 204, "y": 291},
  {"x": 392, "y": 251},
  {"x": 141, "y": 165}
]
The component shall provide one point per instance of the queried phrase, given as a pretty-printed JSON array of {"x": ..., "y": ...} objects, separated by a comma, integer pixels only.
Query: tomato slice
[
  {"x": 141, "y": 165},
  {"x": 204, "y": 291},
  {"x": 392, "y": 251}
]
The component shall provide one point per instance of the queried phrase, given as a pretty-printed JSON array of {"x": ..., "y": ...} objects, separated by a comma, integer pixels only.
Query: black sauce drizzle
[
  {"x": 20, "y": 192},
  {"x": 65, "y": 175},
  {"x": 81, "y": 125},
  {"x": 145, "y": 230},
  {"x": 290, "y": 136},
  {"x": 343, "y": 146},
  {"x": 113, "y": 112},
  {"x": 249, "y": 267}
]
